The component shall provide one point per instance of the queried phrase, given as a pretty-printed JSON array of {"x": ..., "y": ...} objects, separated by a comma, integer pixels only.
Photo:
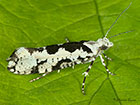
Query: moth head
[{"x": 104, "y": 43}]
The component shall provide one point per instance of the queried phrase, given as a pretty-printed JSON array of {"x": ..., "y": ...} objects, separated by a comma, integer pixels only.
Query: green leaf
[{"x": 37, "y": 23}]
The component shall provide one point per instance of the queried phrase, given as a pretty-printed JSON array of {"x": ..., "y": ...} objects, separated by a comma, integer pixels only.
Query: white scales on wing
[{"x": 27, "y": 61}]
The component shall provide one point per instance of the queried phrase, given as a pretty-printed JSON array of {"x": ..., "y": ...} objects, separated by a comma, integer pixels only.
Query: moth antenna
[
  {"x": 116, "y": 20},
  {"x": 121, "y": 33}
]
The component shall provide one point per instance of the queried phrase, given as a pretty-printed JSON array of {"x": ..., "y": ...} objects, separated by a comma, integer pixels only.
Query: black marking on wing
[
  {"x": 35, "y": 68},
  {"x": 11, "y": 68},
  {"x": 31, "y": 50},
  {"x": 40, "y": 49},
  {"x": 81, "y": 59},
  {"x": 52, "y": 49},
  {"x": 57, "y": 66},
  {"x": 85, "y": 48},
  {"x": 42, "y": 62},
  {"x": 72, "y": 46}
]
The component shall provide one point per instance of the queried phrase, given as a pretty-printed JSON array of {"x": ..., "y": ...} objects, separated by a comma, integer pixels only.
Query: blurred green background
[{"x": 37, "y": 23}]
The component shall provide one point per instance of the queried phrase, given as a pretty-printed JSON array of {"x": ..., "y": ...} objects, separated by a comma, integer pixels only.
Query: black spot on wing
[
  {"x": 40, "y": 49},
  {"x": 18, "y": 72},
  {"x": 81, "y": 59},
  {"x": 85, "y": 48},
  {"x": 35, "y": 68},
  {"x": 9, "y": 68},
  {"x": 52, "y": 49},
  {"x": 57, "y": 66},
  {"x": 31, "y": 50},
  {"x": 42, "y": 62},
  {"x": 71, "y": 47}
]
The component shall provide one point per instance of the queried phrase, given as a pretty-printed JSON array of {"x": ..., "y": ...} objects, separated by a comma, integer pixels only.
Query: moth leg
[
  {"x": 39, "y": 77},
  {"x": 103, "y": 63},
  {"x": 107, "y": 57},
  {"x": 67, "y": 40},
  {"x": 86, "y": 73}
]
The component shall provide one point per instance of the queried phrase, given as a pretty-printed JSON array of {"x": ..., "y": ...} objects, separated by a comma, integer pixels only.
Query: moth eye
[
  {"x": 111, "y": 44},
  {"x": 104, "y": 47}
]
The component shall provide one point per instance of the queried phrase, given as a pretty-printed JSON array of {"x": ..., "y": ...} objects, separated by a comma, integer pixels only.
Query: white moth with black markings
[{"x": 56, "y": 57}]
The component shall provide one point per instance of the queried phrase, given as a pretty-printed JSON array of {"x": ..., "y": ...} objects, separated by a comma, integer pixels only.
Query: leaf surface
[{"x": 37, "y": 23}]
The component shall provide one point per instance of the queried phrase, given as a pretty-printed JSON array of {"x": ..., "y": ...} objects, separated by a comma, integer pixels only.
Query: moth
[{"x": 44, "y": 60}]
